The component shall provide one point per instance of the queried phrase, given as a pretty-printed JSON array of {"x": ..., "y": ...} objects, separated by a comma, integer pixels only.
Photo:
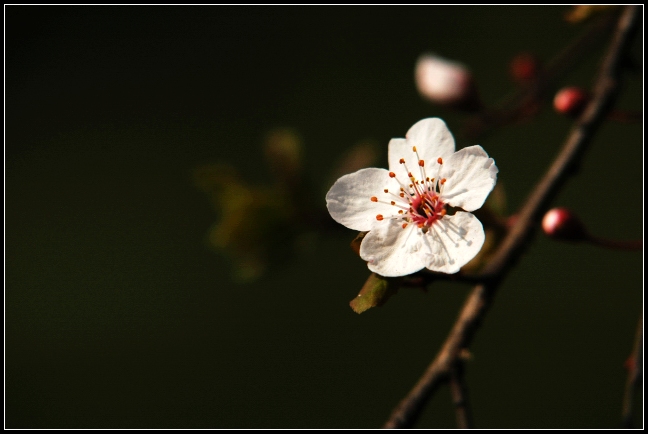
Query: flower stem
[
  {"x": 629, "y": 245},
  {"x": 634, "y": 375},
  {"x": 625, "y": 116}
]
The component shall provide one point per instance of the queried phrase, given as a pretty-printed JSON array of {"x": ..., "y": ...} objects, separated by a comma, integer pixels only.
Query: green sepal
[{"x": 375, "y": 292}]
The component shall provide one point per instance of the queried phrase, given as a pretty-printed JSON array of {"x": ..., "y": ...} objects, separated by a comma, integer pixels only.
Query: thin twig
[
  {"x": 516, "y": 105},
  {"x": 635, "y": 372},
  {"x": 459, "y": 392},
  {"x": 629, "y": 245},
  {"x": 478, "y": 301}
]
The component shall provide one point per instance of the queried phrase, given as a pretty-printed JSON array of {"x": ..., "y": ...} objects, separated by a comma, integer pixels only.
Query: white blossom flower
[
  {"x": 406, "y": 208},
  {"x": 445, "y": 82}
]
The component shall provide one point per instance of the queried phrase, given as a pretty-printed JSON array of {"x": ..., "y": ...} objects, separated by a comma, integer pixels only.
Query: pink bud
[
  {"x": 562, "y": 224},
  {"x": 524, "y": 67},
  {"x": 570, "y": 101},
  {"x": 445, "y": 82}
]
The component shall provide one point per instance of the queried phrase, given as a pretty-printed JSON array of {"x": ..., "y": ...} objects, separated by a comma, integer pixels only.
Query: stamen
[
  {"x": 386, "y": 191},
  {"x": 443, "y": 181},
  {"x": 414, "y": 148},
  {"x": 440, "y": 160},
  {"x": 400, "y": 211},
  {"x": 374, "y": 199},
  {"x": 393, "y": 203},
  {"x": 443, "y": 212},
  {"x": 379, "y": 217},
  {"x": 404, "y": 225},
  {"x": 421, "y": 163},
  {"x": 393, "y": 175},
  {"x": 402, "y": 161}
]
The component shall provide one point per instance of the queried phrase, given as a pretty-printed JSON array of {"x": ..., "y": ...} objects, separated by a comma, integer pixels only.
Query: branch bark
[{"x": 476, "y": 305}]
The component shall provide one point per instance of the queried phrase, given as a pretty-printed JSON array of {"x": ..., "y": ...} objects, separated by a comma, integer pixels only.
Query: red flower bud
[
  {"x": 562, "y": 224},
  {"x": 570, "y": 101},
  {"x": 524, "y": 67}
]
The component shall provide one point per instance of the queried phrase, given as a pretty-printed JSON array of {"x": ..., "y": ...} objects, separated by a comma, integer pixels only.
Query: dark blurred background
[{"x": 119, "y": 314}]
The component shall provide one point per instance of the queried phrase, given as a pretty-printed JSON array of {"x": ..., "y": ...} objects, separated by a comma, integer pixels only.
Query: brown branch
[
  {"x": 478, "y": 301},
  {"x": 634, "y": 365}
]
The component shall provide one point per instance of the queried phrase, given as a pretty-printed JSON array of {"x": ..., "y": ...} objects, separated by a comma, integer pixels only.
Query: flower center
[{"x": 419, "y": 200}]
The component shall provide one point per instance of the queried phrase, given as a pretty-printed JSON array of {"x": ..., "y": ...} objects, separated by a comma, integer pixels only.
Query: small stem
[
  {"x": 629, "y": 245},
  {"x": 459, "y": 394},
  {"x": 625, "y": 116},
  {"x": 634, "y": 375}
]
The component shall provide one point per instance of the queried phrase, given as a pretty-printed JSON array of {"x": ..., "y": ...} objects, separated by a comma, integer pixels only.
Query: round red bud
[
  {"x": 562, "y": 224},
  {"x": 524, "y": 67},
  {"x": 570, "y": 101}
]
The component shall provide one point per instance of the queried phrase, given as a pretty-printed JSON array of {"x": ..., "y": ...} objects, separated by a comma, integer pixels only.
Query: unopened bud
[
  {"x": 570, "y": 101},
  {"x": 524, "y": 67},
  {"x": 445, "y": 82},
  {"x": 562, "y": 224}
]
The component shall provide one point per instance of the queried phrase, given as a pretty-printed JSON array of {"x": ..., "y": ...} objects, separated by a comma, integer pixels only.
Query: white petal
[
  {"x": 470, "y": 177},
  {"x": 349, "y": 200},
  {"x": 432, "y": 139},
  {"x": 393, "y": 251},
  {"x": 453, "y": 241},
  {"x": 398, "y": 149}
]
